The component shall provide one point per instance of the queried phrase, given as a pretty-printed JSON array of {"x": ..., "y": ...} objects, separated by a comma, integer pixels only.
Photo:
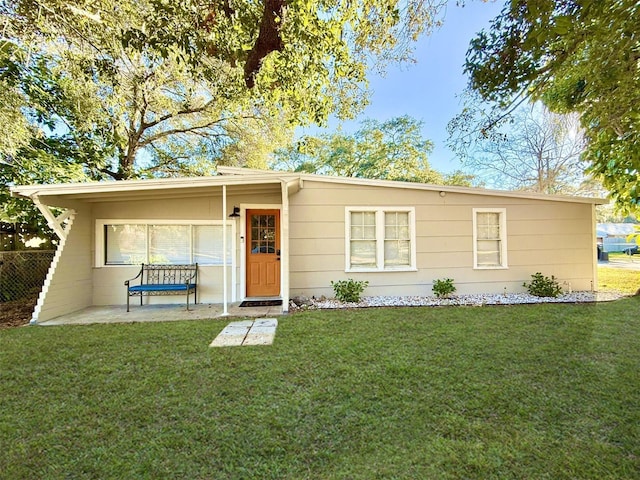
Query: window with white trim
[
  {"x": 489, "y": 238},
  {"x": 139, "y": 242},
  {"x": 380, "y": 238}
]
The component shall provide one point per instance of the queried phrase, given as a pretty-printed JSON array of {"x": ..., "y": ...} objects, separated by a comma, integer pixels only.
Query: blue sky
[{"x": 428, "y": 89}]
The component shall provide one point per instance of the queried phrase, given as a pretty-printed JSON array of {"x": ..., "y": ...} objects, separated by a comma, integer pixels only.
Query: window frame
[
  {"x": 100, "y": 254},
  {"x": 380, "y": 238},
  {"x": 502, "y": 222}
]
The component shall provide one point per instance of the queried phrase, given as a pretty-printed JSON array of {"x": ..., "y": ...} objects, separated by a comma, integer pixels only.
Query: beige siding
[
  {"x": 552, "y": 237},
  {"x": 109, "y": 287},
  {"x": 68, "y": 285},
  {"x": 196, "y": 208}
]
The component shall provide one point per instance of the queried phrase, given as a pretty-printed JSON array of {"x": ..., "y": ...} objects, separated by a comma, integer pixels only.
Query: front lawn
[
  {"x": 621, "y": 280},
  {"x": 512, "y": 392}
]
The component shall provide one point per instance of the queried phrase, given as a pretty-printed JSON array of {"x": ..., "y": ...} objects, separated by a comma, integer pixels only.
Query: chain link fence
[{"x": 22, "y": 273}]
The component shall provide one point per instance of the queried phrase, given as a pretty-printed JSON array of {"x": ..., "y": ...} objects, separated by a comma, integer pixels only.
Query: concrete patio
[{"x": 159, "y": 313}]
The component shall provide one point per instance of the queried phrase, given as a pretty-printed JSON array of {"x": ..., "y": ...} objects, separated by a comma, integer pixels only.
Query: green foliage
[
  {"x": 145, "y": 75},
  {"x": 576, "y": 56},
  {"x": 542, "y": 286},
  {"x": 42, "y": 161},
  {"x": 635, "y": 236},
  {"x": 123, "y": 114},
  {"x": 391, "y": 150},
  {"x": 349, "y": 290},
  {"x": 443, "y": 288}
]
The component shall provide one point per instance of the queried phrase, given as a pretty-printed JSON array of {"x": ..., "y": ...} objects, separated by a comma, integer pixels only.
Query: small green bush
[
  {"x": 542, "y": 286},
  {"x": 349, "y": 290},
  {"x": 443, "y": 288}
]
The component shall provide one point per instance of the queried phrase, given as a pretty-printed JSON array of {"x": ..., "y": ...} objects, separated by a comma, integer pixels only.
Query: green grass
[
  {"x": 623, "y": 257},
  {"x": 539, "y": 391},
  {"x": 618, "y": 280}
]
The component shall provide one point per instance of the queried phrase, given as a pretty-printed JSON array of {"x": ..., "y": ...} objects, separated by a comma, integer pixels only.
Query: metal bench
[{"x": 164, "y": 280}]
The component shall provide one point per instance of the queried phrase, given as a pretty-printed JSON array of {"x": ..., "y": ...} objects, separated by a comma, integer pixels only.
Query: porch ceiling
[{"x": 168, "y": 193}]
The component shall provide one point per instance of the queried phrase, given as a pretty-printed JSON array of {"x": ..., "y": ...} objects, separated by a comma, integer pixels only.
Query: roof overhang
[
  {"x": 242, "y": 181},
  {"x": 455, "y": 189},
  {"x": 236, "y": 171},
  {"x": 127, "y": 190}
]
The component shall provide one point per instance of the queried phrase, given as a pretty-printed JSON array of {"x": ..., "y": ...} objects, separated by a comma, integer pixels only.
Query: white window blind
[
  {"x": 397, "y": 239},
  {"x": 125, "y": 244},
  {"x": 207, "y": 244},
  {"x": 363, "y": 239},
  {"x": 490, "y": 238},
  {"x": 380, "y": 238},
  {"x": 169, "y": 244},
  {"x": 133, "y": 244}
]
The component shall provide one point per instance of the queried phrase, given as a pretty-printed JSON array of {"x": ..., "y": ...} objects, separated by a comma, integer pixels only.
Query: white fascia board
[
  {"x": 143, "y": 185},
  {"x": 451, "y": 189},
  {"x": 241, "y": 176}
]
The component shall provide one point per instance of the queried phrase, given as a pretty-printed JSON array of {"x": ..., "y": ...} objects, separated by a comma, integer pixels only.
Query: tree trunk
[{"x": 268, "y": 39}]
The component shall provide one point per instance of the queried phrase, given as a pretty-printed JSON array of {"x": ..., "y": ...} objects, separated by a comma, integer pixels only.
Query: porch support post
[
  {"x": 225, "y": 310},
  {"x": 284, "y": 246},
  {"x": 55, "y": 223}
]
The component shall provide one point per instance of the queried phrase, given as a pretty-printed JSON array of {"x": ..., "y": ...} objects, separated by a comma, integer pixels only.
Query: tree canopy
[
  {"x": 310, "y": 57},
  {"x": 117, "y": 89},
  {"x": 390, "y": 150},
  {"x": 121, "y": 112},
  {"x": 535, "y": 150},
  {"x": 123, "y": 76},
  {"x": 576, "y": 56}
]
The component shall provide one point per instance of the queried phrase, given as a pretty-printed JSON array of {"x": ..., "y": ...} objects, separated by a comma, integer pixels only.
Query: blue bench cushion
[{"x": 166, "y": 287}]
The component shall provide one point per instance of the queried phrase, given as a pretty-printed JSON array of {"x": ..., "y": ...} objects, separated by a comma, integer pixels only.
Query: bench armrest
[{"x": 137, "y": 276}]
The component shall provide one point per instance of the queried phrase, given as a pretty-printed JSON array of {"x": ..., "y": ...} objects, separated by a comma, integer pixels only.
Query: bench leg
[{"x": 127, "y": 300}]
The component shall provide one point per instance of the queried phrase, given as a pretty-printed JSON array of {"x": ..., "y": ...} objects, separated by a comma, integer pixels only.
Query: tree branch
[{"x": 177, "y": 131}]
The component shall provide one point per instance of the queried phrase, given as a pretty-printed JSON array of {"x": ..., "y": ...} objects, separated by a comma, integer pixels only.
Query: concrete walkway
[
  {"x": 159, "y": 313},
  {"x": 247, "y": 332},
  {"x": 631, "y": 263}
]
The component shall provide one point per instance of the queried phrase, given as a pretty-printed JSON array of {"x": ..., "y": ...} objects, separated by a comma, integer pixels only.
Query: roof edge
[
  {"x": 238, "y": 175},
  {"x": 454, "y": 189},
  {"x": 27, "y": 191}
]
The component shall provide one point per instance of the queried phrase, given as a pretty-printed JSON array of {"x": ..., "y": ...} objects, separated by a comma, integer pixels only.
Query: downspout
[{"x": 225, "y": 311}]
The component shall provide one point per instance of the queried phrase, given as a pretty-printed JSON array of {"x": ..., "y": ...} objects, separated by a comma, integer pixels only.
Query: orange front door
[{"x": 263, "y": 253}]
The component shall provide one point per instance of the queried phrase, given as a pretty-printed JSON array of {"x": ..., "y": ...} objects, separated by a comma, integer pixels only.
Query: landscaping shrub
[
  {"x": 349, "y": 290},
  {"x": 542, "y": 286},
  {"x": 443, "y": 288}
]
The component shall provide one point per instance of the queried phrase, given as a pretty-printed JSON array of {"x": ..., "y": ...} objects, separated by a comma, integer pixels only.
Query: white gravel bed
[{"x": 456, "y": 300}]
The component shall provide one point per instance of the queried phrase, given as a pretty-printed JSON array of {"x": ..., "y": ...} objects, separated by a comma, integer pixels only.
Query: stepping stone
[
  {"x": 232, "y": 335},
  {"x": 266, "y": 322},
  {"x": 247, "y": 332},
  {"x": 262, "y": 332}
]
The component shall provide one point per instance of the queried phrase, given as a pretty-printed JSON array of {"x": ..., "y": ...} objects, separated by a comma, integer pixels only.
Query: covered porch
[{"x": 211, "y": 216}]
